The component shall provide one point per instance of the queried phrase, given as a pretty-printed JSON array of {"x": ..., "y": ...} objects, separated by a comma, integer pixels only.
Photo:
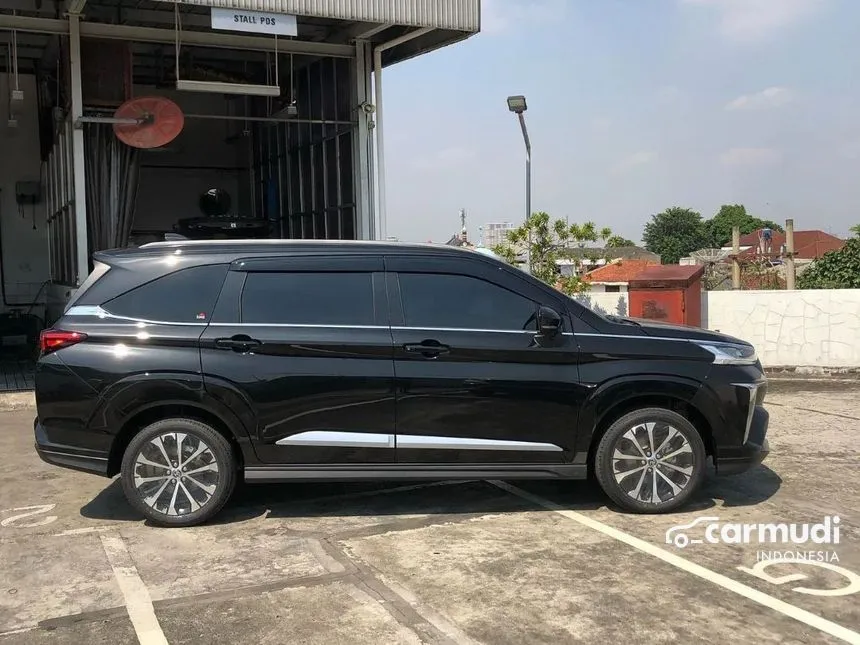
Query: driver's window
[{"x": 440, "y": 301}]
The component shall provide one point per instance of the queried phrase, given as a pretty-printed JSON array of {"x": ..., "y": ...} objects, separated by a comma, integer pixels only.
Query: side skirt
[{"x": 413, "y": 472}]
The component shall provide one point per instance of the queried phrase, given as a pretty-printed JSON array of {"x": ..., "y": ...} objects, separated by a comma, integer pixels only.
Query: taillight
[{"x": 51, "y": 340}]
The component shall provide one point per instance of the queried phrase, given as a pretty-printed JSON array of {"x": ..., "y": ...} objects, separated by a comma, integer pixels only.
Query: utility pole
[
  {"x": 736, "y": 249},
  {"x": 790, "y": 269}
]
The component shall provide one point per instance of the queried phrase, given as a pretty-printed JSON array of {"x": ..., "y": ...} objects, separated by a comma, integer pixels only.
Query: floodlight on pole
[{"x": 517, "y": 105}]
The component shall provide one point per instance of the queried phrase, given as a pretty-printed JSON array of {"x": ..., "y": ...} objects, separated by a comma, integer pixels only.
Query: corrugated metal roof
[{"x": 459, "y": 15}]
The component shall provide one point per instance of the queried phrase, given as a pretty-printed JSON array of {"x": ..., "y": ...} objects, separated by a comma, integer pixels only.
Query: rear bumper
[
  {"x": 88, "y": 461},
  {"x": 753, "y": 452}
]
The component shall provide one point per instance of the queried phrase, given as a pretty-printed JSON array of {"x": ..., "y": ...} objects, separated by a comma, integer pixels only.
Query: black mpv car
[{"x": 183, "y": 366}]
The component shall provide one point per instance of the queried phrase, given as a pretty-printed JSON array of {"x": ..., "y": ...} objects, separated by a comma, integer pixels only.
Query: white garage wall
[
  {"x": 168, "y": 194},
  {"x": 803, "y": 328},
  {"x": 25, "y": 251}
]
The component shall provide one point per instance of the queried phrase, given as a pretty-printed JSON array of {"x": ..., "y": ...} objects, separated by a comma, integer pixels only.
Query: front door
[
  {"x": 305, "y": 345},
  {"x": 476, "y": 382}
]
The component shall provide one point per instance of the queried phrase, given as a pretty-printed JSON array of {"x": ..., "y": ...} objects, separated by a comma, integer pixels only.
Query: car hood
[{"x": 672, "y": 330}]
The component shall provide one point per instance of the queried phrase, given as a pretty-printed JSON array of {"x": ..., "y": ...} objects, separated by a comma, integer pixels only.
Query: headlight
[{"x": 731, "y": 354}]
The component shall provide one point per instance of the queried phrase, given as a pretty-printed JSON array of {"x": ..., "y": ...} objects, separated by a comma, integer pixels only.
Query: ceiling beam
[
  {"x": 168, "y": 18},
  {"x": 168, "y": 36}
]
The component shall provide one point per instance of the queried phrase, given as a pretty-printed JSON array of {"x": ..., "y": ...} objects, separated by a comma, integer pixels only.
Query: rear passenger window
[
  {"x": 308, "y": 298},
  {"x": 187, "y": 295},
  {"x": 435, "y": 300}
]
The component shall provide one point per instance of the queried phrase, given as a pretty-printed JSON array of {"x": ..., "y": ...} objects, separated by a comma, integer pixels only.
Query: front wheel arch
[{"x": 666, "y": 401}]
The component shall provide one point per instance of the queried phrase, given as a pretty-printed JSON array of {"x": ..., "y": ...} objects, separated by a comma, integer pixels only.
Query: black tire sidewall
[
  {"x": 221, "y": 449},
  {"x": 603, "y": 459}
]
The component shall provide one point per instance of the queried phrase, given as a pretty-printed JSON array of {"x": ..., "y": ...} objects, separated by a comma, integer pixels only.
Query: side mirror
[{"x": 549, "y": 321}]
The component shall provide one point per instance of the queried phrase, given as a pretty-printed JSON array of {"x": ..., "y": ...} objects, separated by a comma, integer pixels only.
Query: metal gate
[{"x": 302, "y": 169}]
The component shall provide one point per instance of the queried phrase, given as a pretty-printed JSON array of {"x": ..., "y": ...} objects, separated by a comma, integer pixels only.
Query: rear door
[
  {"x": 304, "y": 344},
  {"x": 476, "y": 382}
]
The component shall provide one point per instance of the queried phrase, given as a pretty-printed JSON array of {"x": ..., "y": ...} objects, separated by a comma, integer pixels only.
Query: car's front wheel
[
  {"x": 178, "y": 472},
  {"x": 650, "y": 461}
]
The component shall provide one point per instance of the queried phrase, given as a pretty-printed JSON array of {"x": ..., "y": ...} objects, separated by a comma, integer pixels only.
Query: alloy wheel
[
  {"x": 653, "y": 462},
  {"x": 176, "y": 473}
]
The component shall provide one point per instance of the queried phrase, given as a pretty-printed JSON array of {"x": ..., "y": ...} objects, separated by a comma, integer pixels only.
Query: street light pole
[
  {"x": 517, "y": 105},
  {"x": 528, "y": 165}
]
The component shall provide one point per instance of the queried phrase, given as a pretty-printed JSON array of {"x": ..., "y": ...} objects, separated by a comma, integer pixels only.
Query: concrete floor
[{"x": 473, "y": 562}]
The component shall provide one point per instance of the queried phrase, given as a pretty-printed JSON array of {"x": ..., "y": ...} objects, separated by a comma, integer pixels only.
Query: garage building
[{"x": 275, "y": 103}]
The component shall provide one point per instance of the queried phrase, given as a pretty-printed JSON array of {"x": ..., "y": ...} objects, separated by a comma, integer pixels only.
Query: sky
[{"x": 633, "y": 106}]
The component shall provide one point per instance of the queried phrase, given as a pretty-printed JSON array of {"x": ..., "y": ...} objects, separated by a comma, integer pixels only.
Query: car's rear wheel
[
  {"x": 650, "y": 461},
  {"x": 178, "y": 472}
]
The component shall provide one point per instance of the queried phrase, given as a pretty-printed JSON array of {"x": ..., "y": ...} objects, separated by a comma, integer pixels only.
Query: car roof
[{"x": 239, "y": 248}]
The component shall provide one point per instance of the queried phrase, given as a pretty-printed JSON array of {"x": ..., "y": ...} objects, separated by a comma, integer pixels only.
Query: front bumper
[
  {"x": 754, "y": 450},
  {"x": 88, "y": 461}
]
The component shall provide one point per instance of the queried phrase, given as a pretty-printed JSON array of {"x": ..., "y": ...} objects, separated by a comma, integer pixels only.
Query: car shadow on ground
[{"x": 302, "y": 500}]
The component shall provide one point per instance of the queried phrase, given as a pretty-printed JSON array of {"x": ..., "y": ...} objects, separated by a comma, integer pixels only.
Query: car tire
[
  {"x": 155, "y": 483},
  {"x": 675, "y": 469}
]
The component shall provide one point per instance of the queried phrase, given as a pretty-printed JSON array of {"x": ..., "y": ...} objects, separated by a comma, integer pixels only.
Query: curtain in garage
[{"x": 112, "y": 172}]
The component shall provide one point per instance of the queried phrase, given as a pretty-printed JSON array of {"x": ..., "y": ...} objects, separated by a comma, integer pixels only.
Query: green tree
[
  {"x": 675, "y": 233},
  {"x": 855, "y": 229},
  {"x": 719, "y": 227},
  {"x": 835, "y": 269},
  {"x": 543, "y": 241},
  {"x": 615, "y": 241}
]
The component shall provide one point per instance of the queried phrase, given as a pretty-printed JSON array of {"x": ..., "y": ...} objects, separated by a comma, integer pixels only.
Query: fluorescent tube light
[{"x": 218, "y": 87}]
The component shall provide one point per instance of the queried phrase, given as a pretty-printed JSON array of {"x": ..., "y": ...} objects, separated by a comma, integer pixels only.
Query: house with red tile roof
[
  {"x": 615, "y": 276},
  {"x": 808, "y": 245}
]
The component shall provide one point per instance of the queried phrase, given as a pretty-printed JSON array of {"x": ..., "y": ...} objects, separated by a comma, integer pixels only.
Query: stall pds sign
[{"x": 255, "y": 22}]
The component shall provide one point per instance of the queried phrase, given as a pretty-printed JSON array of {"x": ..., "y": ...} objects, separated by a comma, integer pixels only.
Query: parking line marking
[
  {"x": 20, "y": 630},
  {"x": 138, "y": 602},
  {"x": 787, "y": 609},
  {"x": 84, "y": 531}
]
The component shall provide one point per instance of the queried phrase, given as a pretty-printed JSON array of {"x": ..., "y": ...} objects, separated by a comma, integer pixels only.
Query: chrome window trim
[
  {"x": 298, "y": 325},
  {"x": 460, "y": 329},
  {"x": 96, "y": 311}
]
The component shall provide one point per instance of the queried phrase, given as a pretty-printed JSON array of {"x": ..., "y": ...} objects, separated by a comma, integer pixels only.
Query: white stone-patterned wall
[
  {"x": 804, "y": 328},
  {"x": 605, "y": 303}
]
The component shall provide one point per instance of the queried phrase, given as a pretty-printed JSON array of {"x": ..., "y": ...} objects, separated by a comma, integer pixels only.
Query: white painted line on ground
[
  {"x": 84, "y": 531},
  {"x": 787, "y": 609},
  {"x": 22, "y": 630},
  {"x": 138, "y": 603}
]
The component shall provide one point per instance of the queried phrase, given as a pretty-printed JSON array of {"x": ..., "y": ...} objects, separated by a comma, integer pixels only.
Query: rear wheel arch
[{"x": 185, "y": 410}]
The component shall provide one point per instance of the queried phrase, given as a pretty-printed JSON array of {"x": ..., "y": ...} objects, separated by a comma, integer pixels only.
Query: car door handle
[
  {"x": 239, "y": 343},
  {"x": 427, "y": 348}
]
